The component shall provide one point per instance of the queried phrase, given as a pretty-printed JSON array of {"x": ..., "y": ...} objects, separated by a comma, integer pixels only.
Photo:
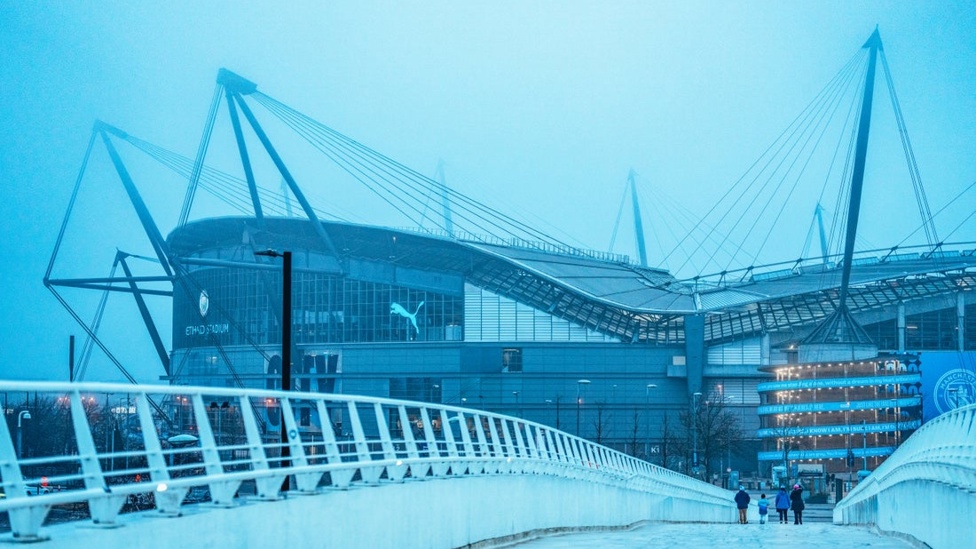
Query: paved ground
[{"x": 819, "y": 535}]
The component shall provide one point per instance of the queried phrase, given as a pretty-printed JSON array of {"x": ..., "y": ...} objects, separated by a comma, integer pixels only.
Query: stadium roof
[{"x": 607, "y": 295}]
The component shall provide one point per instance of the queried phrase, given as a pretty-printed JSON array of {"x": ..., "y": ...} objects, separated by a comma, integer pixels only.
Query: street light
[
  {"x": 647, "y": 417},
  {"x": 285, "y": 319},
  {"x": 864, "y": 438},
  {"x": 558, "y": 398},
  {"x": 285, "y": 345},
  {"x": 518, "y": 408},
  {"x": 694, "y": 430},
  {"x": 728, "y": 445},
  {"x": 24, "y": 414},
  {"x": 579, "y": 402},
  {"x": 894, "y": 408}
]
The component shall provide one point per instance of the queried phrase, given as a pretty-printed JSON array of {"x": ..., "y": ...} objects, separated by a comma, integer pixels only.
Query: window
[
  {"x": 511, "y": 360},
  {"x": 424, "y": 389}
]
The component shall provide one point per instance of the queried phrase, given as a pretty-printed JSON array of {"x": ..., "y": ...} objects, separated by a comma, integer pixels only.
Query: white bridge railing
[
  {"x": 89, "y": 451},
  {"x": 926, "y": 489}
]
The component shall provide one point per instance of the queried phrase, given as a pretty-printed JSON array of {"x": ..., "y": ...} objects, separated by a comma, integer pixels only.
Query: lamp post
[
  {"x": 558, "y": 398},
  {"x": 864, "y": 438},
  {"x": 694, "y": 431},
  {"x": 728, "y": 447},
  {"x": 24, "y": 414},
  {"x": 579, "y": 401},
  {"x": 897, "y": 416},
  {"x": 518, "y": 407},
  {"x": 285, "y": 345},
  {"x": 647, "y": 418}
]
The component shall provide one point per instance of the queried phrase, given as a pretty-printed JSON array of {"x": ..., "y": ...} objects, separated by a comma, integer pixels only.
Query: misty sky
[{"x": 540, "y": 109}]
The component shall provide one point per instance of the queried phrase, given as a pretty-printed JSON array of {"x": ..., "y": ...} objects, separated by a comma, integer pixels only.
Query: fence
[{"x": 99, "y": 451}]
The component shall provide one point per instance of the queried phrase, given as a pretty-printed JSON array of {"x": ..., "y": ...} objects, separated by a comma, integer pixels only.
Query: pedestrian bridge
[{"x": 106, "y": 464}]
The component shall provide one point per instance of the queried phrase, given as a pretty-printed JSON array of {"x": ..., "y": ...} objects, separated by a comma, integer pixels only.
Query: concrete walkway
[{"x": 749, "y": 536}]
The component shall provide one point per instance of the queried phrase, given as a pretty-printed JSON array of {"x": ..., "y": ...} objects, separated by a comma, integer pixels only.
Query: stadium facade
[{"x": 584, "y": 341}]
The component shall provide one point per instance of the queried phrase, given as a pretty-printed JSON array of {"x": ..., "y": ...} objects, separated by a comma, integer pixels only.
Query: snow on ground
[{"x": 747, "y": 536}]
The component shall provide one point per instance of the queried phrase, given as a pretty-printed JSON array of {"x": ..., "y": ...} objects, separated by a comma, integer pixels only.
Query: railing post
[
  {"x": 370, "y": 474},
  {"x": 25, "y": 522},
  {"x": 439, "y": 467},
  {"x": 397, "y": 470},
  {"x": 307, "y": 481},
  {"x": 267, "y": 484},
  {"x": 341, "y": 478},
  {"x": 221, "y": 491},
  {"x": 104, "y": 510}
]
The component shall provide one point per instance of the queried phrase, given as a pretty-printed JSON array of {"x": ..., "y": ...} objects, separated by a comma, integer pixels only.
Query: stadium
[{"x": 493, "y": 314}]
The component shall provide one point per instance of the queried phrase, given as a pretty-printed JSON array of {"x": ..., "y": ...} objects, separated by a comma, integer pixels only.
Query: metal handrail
[
  {"x": 333, "y": 441},
  {"x": 940, "y": 457}
]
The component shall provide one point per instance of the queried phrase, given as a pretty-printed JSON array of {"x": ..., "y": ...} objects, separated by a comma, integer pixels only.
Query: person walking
[
  {"x": 742, "y": 502},
  {"x": 796, "y": 503},
  {"x": 783, "y": 505},
  {"x": 763, "y": 508}
]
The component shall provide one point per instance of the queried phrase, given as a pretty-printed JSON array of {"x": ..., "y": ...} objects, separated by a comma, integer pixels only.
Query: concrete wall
[
  {"x": 420, "y": 514},
  {"x": 938, "y": 515}
]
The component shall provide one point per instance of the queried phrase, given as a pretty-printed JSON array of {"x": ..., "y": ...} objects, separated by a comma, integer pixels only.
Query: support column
[
  {"x": 961, "y": 320},
  {"x": 901, "y": 327},
  {"x": 764, "y": 350},
  {"x": 695, "y": 352}
]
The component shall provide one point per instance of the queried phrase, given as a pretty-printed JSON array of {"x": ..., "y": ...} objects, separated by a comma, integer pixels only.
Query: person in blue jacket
[
  {"x": 763, "y": 508},
  {"x": 742, "y": 502},
  {"x": 783, "y": 505}
]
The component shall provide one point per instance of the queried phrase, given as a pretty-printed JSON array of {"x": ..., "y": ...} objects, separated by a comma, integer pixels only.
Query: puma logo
[{"x": 397, "y": 309}]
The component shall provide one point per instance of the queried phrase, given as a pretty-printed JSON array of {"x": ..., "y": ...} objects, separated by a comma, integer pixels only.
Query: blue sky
[{"x": 540, "y": 108}]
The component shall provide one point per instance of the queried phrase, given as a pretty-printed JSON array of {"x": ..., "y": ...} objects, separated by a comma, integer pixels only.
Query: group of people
[{"x": 783, "y": 503}]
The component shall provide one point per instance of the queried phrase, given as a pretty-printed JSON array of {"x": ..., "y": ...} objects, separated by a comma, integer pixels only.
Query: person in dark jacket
[
  {"x": 783, "y": 505},
  {"x": 742, "y": 502},
  {"x": 796, "y": 503}
]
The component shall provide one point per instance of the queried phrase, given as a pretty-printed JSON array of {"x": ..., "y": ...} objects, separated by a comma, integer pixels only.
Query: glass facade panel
[
  {"x": 242, "y": 309},
  {"x": 491, "y": 317},
  {"x": 931, "y": 331},
  {"x": 884, "y": 334}
]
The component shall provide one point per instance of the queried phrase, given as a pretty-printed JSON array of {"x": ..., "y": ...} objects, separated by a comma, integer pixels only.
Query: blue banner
[
  {"x": 831, "y": 383},
  {"x": 834, "y": 453},
  {"x": 813, "y": 430},
  {"x": 876, "y": 404},
  {"x": 948, "y": 382}
]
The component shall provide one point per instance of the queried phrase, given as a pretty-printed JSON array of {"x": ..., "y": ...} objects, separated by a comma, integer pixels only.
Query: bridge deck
[{"x": 817, "y": 535}]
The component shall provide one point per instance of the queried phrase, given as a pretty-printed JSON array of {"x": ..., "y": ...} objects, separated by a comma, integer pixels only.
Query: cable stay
[
  {"x": 971, "y": 214},
  {"x": 286, "y": 197},
  {"x": 402, "y": 188},
  {"x": 675, "y": 215},
  {"x": 773, "y": 160},
  {"x": 616, "y": 224},
  {"x": 191, "y": 187},
  {"x": 925, "y": 213}
]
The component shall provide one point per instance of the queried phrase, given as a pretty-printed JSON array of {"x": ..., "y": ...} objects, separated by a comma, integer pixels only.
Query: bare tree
[
  {"x": 671, "y": 443},
  {"x": 601, "y": 424},
  {"x": 717, "y": 428},
  {"x": 633, "y": 440}
]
